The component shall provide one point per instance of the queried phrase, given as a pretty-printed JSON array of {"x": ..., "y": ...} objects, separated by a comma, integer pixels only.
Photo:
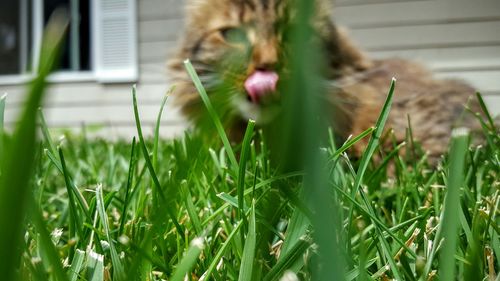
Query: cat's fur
[{"x": 358, "y": 84}]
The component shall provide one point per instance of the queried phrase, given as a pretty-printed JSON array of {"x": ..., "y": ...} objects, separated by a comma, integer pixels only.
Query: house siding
[{"x": 455, "y": 38}]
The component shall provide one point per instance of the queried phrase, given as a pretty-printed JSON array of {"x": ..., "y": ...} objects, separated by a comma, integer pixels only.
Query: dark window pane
[
  {"x": 76, "y": 54},
  {"x": 85, "y": 35},
  {"x": 9, "y": 37},
  {"x": 16, "y": 35},
  {"x": 49, "y": 6},
  {"x": 28, "y": 36}
]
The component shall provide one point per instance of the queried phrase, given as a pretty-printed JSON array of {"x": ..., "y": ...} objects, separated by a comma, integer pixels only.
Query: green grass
[
  {"x": 203, "y": 216},
  {"x": 195, "y": 208},
  {"x": 194, "y": 213},
  {"x": 17, "y": 162}
]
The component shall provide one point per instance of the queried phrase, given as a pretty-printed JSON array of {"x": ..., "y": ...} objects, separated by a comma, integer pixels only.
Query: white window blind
[{"x": 115, "y": 40}]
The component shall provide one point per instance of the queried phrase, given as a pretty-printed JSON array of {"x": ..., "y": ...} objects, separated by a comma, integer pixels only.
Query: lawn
[{"x": 198, "y": 208}]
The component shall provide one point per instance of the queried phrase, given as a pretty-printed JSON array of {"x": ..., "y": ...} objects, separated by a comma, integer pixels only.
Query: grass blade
[
  {"x": 144, "y": 149},
  {"x": 130, "y": 176},
  {"x": 450, "y": 221},
  {"x": 149, "y": 164},
  {"x": 75, "y": 224},
  {"x": 365, "y": 160},
  {"x": 211, "y": 111},
  {"x": 17, "y": 166},
  {"x": 350, "y": 143},
  {"x": 241, "y": 173},
  {"x": 288, "y": 259},
  {"x": 157, "y": 128},
  {"x": 247, "y": 260},
  {"x": 189, "y": 260},
  {"x": 118, "y": 269},
  {"x": 70, "y": 185},
  {"x": 95, "y": 267},
  {"x": 50, "y": 251},
  {"x": 76, "y": 265},
  {"x": 206, "y": 276},
  {"x": 46, "y": 133},
  {"x": 233, "y": 201},
  {"x": 485, "y": 111},
  {"x": 193, "y": 216},
  {"x": 297, "y": 228},
  {"x": 375, "y": 138}
]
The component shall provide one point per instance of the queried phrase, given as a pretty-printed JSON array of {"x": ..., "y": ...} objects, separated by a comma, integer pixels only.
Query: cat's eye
[{"x": 234, "y": 35}]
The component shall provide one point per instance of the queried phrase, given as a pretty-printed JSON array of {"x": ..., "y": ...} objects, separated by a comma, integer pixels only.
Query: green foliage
[
  {"x": 17, "y": 165},
  {"x": 112, "y": 227},
  {"x": 192, "y": 208}
]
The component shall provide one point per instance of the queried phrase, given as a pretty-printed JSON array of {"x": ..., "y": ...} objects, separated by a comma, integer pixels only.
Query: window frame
[{"x": 68, "y": 76}]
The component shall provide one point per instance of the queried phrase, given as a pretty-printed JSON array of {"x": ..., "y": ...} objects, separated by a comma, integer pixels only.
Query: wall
[{"x": 456, "y": 38}]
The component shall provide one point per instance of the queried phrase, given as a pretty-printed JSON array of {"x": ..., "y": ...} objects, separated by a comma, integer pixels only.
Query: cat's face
[{"x": 240, "y": 50}]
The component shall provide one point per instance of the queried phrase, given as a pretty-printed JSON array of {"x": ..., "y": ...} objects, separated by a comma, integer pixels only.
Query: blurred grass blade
[
  {"x": 118, "y": 269},
  {"x": 485, "y": 110},
  {"x": 302, "y": 124},
  {"x": 450, "y": 220},
  {"x": 130, "y": 176},
  {"x": 293, "y": 259},
  {"x": 76, "y": 265},
  {"x": 355, "y": 273},
  {"x": 46, "y": 245},
  {"x": 233, "y": 201},
  {"x": 17, "y": 166},
  {"x": 46, "y": 133},
  {"x": 189, "y": 260},
  {"x": 188, "y": 197},
  {"x": 95, "y": 266},
  {"x": 157, "y": 128},
  {"x": 247, "y": 260},
  {"x": 75, "y": 222},
  {"x": 208, "y": 274},
  {"x": 71, "y": 187},
  {"x": 295, "y": 231},
  {"x": 211, "y": 111},
  {"x": 241, "y": 173}
]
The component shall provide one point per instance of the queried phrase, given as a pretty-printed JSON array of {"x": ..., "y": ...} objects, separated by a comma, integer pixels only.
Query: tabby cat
[{"x": 238, "y": 48}]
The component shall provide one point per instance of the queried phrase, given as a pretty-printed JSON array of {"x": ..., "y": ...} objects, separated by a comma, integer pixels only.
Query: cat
[{"x": 220, "y": 32}]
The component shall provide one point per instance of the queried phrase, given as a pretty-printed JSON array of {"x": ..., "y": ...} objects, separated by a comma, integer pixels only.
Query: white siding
[{"x": 457, "y": 38}]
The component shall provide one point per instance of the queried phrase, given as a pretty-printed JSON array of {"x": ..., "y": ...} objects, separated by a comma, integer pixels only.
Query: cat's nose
[
  {"x": 261, "y": 83},
  {"x": 264, "y": 57}
]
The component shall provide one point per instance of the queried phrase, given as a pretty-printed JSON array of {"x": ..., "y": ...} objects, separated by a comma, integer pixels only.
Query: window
[
  {"x": 14, "y": 40},
  {"x": 76, "y": 50},
  {"x": 100, "y": 43}
]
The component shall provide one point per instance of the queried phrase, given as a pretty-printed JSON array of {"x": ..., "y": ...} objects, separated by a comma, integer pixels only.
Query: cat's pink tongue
[{"x": 261, "y": 83}]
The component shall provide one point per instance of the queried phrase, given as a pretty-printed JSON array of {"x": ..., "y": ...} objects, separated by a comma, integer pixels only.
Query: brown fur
[{"x": 359, "y": 84}]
